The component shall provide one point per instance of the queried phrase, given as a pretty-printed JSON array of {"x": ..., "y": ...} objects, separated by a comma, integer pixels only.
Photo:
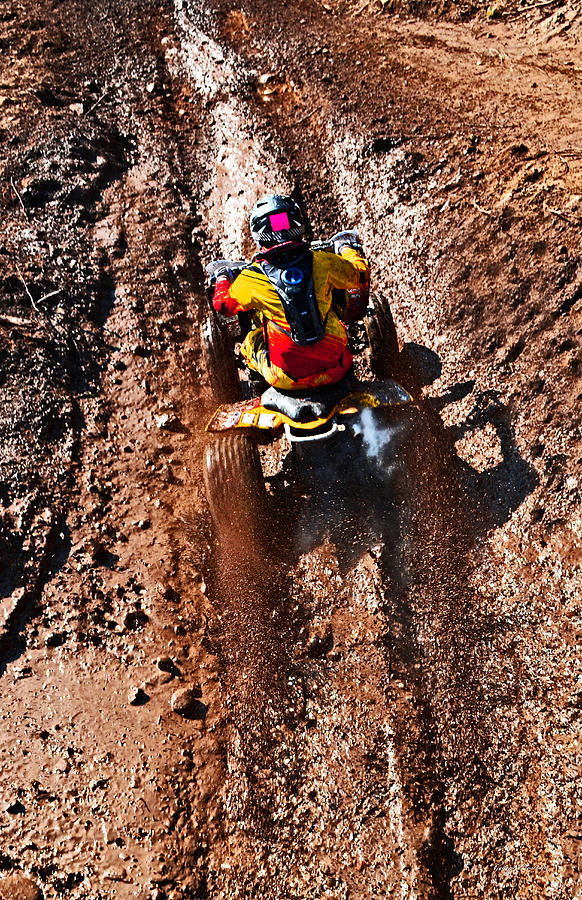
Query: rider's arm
[
  {"x": 357, "y": 260},
  {"x": 232, "y": 297},
  {"x": 223, "y": 301},
  {"x": 350, "y": 272},
  {"x": 347, "y": 271}
]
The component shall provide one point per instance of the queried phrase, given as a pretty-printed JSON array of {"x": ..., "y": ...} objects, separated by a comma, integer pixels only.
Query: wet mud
[{"x": 376, "y": 693}]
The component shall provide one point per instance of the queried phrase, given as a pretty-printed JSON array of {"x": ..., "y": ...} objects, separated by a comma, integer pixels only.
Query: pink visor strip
[{"x": 279, "y": 221}]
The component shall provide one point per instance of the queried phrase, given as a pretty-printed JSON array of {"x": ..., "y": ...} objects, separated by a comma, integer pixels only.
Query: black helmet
[{"x": 275, "y": 219}]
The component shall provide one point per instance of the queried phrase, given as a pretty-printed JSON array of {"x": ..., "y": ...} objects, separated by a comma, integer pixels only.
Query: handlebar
[
  {"x": 348, "y": 236},
  {"x": 236, "y": 266}
]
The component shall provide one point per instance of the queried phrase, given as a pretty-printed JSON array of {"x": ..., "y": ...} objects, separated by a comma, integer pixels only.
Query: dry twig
[
  {"x": 486, "y": 212},
  {"x": 51, "y": 294},
  {"x": 15, "y": 320},
  {"x": 20, "y": 200},
  {"x": 97, "y": 102},
  {"x": 572, "y": 220},
  {"x": 308, "y": 116},
  {"x": 30, "y": 297},
  {"x": 523, "y": 9}
]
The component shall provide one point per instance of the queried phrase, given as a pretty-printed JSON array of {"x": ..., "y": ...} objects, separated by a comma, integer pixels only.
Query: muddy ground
[{"x": 383, "y": 698}]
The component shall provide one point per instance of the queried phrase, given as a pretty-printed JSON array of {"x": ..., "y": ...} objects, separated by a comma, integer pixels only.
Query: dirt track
[{"x": 395, "y": 712}]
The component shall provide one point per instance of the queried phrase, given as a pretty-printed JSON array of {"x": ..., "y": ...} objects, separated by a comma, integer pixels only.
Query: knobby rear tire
[{"x": 235, "y": 488}]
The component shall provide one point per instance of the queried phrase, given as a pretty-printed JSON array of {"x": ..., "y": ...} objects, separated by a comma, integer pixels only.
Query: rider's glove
[
  {"x": 347, "y": 239},
  {"x": 222, "y": 302},
  {"x": 224, "y": 272},
  {"x": 357, "y": 247}
]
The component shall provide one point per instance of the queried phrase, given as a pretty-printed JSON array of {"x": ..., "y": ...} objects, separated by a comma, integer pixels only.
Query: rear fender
[{"x": 251, "y": 414}]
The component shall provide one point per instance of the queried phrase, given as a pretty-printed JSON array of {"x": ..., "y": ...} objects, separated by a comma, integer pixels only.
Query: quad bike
[{"x": 311, "y": 421}]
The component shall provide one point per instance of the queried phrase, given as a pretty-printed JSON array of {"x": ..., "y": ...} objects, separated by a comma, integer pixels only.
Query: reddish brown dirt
[{"x": 384, "y": 695}]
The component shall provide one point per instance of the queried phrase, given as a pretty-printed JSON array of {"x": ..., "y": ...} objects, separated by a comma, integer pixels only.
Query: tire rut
[
  {"x": 388, "y": 777},
  {"x": 334, "y": 768}
]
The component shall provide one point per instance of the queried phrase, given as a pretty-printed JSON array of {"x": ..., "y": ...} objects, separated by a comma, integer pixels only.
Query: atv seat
[{"x": 305, "y": 407}]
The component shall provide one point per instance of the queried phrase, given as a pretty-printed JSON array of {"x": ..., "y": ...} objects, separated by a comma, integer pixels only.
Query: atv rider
[{"x": 300, "y": 296}]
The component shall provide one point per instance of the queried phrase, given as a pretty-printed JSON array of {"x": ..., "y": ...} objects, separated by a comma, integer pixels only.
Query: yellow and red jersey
[{"x": 269, "y": 349}]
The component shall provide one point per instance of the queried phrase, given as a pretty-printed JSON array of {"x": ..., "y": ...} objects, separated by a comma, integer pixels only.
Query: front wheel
[
  {"x": 218, "y": 361},
  {"x": 382, "y": 339}
]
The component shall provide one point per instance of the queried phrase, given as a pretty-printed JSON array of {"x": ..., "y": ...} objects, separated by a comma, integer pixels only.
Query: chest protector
[{"x": 291, "y": 274}]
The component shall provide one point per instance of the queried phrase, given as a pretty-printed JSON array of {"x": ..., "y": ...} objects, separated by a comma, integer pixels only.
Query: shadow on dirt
[
  {"x": 441, "y": 641},
  {"x": 497, "y": 491},
  {"x": 26, "y": 587},
  {"x": 503, "y": 487}
]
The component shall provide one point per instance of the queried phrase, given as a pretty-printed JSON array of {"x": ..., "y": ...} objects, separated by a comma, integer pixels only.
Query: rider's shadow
[
  {"x": 495, "y": 477},
  {"x": 359, "y": 499},
  {"x": 424, "y": 494}
]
